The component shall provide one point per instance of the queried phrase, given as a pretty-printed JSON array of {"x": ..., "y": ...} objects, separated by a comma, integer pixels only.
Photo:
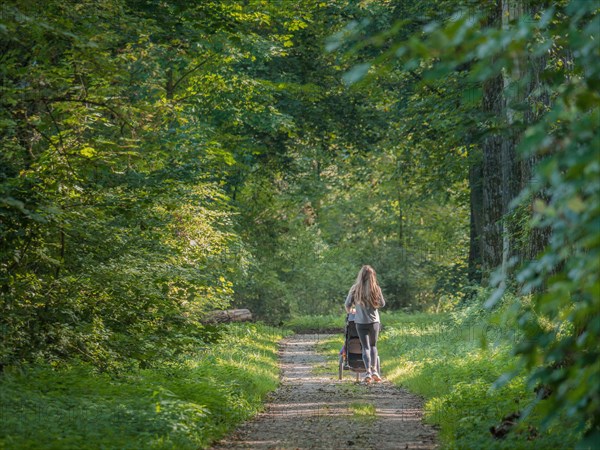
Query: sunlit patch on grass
[
  {"x": 330, "y": 345},
  {"x": 316, "y": 324},
  {"x": 329, "y": 368},
  {"x": 397, "y": 368},
  {"x": 362, "y": 410},
  {"x": 445, "y": 361},
  {"x": 185, "y": 405}
]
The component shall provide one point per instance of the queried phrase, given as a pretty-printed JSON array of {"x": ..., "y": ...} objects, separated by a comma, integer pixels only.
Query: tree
[{"x": 557, "y": 140}]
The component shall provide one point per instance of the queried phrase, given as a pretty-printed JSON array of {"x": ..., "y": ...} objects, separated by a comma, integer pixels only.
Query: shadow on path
[{"x": 315, "y": 411}]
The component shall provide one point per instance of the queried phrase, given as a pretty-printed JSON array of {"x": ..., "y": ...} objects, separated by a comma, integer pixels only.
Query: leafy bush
[
  {"x": 560, "y": 324},
  {"x": 113, "y": 238}
]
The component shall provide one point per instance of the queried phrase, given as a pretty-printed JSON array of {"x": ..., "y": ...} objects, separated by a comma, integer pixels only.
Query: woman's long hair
[{"x": 365, "y": 290}]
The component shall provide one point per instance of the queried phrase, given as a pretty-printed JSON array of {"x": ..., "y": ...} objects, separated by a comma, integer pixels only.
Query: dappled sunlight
[
  {"x": 329, "y": 413},
  {"x": 186, "y": 184},
  {"x": 397, "y": 369},
  {"x": 399, "y": 415},
  {"x": 309, "y": 409}
]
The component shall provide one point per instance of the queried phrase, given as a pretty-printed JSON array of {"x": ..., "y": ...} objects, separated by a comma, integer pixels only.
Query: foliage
[
  {"x": 164, "y": 159},
  {"x": 562, "y": 322},
  {"x": 187, "y": 404},
  {"x": 316, "y": 324},
  {"x": 552, "y": 111},
  {"x": 345, "y": 189},
  {"x": 109, "y": 215},
  {"x": 442, "y": 358}
]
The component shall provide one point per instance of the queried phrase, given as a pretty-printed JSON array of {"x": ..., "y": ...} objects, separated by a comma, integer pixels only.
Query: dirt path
[{"x": 311, "y": 410}]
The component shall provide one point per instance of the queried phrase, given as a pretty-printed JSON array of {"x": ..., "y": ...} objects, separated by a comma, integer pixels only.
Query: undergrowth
[
  {"x": 332, "y": 323},
  {"x": 454, "y": 360},
  {"x": 186, "y": 405}
]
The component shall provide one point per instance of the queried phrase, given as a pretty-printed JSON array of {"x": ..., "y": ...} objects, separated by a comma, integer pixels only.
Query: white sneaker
[
  {"x": 367, "y": 379},
  {"x": 376, "y": 377}
]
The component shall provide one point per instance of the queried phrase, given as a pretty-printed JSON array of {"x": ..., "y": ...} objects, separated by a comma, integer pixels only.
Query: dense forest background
[{"x": 161, "y": 159}]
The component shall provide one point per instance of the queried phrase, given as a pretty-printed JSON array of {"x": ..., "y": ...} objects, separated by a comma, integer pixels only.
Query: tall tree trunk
[
  {"x": 538, "y": 101},
  {"x": 501, "y": 171},
  {"x": 492, "y": 178},
  {"x": 476, "y": 222},
  {"x": 511, "y": 10}
]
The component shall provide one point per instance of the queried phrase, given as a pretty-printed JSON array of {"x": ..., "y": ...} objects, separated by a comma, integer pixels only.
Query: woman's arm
[
  {"x": 348, "y": 303},
  {"x": 382, "y": 301}
]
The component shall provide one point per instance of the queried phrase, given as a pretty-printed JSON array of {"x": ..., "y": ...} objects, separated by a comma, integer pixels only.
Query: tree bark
[
  {"x": 492, "y": 177},
  {"x": 501, "y": 171},
  {"x": 538, "y": 101},
  {"x": 476, "y": 222}
]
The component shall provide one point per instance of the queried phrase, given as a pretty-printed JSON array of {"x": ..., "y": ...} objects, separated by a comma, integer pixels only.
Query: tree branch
[
  {"x": 47, "y": 138},
  {"x": 190, "y": 71},
  {"x": 60, "y": 139},
  {"x": 91, "y": 102}
]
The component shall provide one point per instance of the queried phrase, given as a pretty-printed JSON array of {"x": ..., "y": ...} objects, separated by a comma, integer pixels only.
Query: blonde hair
[{"x": 366, "y": 291}]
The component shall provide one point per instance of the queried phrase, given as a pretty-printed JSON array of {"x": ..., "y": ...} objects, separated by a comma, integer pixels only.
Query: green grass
[
  {"x": 362, "y": 411},
  {"x": 184, "y": 406},
  {"x": 454, "y": 362},
  {"x": 317, "y": 324},
  {"x": 330, "y": 346},
  {"x": 443, "y": 360}
]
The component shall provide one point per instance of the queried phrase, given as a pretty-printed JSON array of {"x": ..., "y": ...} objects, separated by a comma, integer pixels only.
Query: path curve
[{"x": 316, "y": 411}]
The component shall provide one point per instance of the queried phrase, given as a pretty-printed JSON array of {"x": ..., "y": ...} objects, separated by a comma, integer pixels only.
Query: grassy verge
[
  {"x": 317, "y": 324},
  {"x": 184, "y": 406},
  {"x": 453, "y": 361},
  {"x": 443, "y": 359}
]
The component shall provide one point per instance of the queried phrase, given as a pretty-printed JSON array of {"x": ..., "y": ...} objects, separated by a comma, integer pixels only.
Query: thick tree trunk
[
  {"x": 476, "y": 222},
  {"x": 511, "y": 170},
  {"x": 500, "y": 171},
  {"x": 538, "y": 99},
  {"x": 492, "y": 172}
]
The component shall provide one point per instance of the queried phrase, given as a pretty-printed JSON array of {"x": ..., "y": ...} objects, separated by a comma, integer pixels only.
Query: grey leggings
[{"x": 368, "y": 334}]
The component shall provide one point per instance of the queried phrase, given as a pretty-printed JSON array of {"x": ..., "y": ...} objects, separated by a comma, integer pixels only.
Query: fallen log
[{"x": 230, "y": 315}]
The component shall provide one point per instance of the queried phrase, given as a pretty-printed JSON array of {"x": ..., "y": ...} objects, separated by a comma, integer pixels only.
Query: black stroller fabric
[
  {"x": 353, "y": 348},
  {"x": 351, "y": 353}
]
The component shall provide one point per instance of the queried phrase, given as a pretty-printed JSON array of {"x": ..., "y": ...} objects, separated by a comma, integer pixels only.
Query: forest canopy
[{"x": 164, "y": 159}]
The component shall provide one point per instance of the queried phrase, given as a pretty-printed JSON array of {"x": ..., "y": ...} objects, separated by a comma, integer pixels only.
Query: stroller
[{"x": 351, "y": 352}]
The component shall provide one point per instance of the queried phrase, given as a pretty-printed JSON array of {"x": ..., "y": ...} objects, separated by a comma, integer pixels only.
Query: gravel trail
[{"x": 314, "y": 410}]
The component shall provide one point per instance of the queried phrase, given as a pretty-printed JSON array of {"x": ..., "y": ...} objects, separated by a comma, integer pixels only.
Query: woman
[{"x": 366, "y": 297}]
